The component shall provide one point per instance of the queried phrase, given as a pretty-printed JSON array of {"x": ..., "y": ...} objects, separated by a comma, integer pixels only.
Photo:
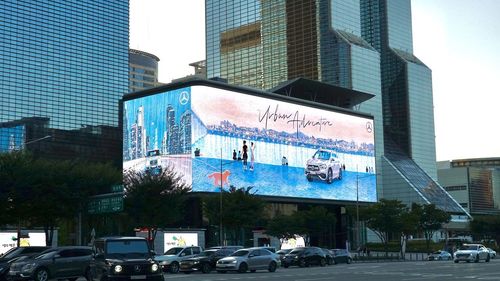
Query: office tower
[
  {"x": 143, "y": 70},
  {"x": 64, "y": 68},
  {"x": 357, "y": 44}
]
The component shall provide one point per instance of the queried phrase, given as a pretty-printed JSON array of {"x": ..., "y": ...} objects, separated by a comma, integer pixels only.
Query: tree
[
  {"x": 384, "y": 218},
  {"x": 409, "y": 226},
  {"x": 241, "y": 209},
  {"x": 285, "y": 226},
  {"x": 431, "y": 219},
  {"x": 486, "y": 227},
  {"x": 155, "y": 200}
]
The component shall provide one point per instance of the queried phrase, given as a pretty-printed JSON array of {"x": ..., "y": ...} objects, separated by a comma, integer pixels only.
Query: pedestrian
[{"x": 245, "y": 155}]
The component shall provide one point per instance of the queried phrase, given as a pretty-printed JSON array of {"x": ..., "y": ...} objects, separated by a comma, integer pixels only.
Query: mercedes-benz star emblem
[
  {"x": 137, "y": 268},
  {"x": 369, "y": 127},
  {"x": 184, "y": 98}
]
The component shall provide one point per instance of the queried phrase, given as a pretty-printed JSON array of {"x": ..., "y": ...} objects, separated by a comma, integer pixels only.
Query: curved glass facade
[{"x": 64, "y": 68}]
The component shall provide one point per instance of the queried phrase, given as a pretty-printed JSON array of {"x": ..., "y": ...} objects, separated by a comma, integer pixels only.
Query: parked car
[
  {"x": 205, "y": 261},
  {"x": 472, "y": 252},
  {"x": 328, "y": 256},
  {"x": 233, "y": 248},
  {"x": 281, "y": 253},
  {"x": 341, "y": 256},
  {"x": 305, "y": 256},
  {"x": 493, "y": 253},
  {"x": 439, "y": 255},
  {"x": 324, "y": 166},
  {"x": 170, "y": 261},
  {"x": 68, "y": 262},
  {"x": 123, "y": 258},
  {"x": 16, "y": 254},
  {"x": 248, "y": 259}
]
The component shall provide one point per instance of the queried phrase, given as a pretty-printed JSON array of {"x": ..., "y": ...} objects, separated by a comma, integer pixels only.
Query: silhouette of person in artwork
[
  {"x": 245, "y": 155},
  {"x": 234, "y": 154}
]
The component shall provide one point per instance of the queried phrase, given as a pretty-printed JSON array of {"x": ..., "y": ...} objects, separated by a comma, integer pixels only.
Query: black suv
[
  {"x": 205, "y": 261},
  {"x": 124, "y": 258},
  {"x": 14, "y": 254},
  {"x": 68, "y": 262},
  {"x": 305, "y": 256}
]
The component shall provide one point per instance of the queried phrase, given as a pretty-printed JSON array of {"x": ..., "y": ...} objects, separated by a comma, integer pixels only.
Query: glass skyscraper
[
  {"x": 364, "y": 45},
  {"x": 64, "y": 68}
]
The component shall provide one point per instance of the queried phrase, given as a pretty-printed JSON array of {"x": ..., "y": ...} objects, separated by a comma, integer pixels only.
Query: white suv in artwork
[{"x": 324, "y": 166}]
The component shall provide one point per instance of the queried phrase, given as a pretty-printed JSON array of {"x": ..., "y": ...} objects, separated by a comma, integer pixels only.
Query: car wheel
[
  {"x": 329, "y": 177},
  {"x": 206, "y": 268},
  {"x": 322, "y": 262},
  {"x": 455, "y": 261},
  {"x": 488, "y": 258},
  {"x": 302, "y": 263},
  {"x": 272, "y": 267},
  {"x": 286, "y": 265},
  {"x": 174, "y": 267},
  {"x": 243, "y": 268},
  {"x": 449, "y": 258},
  {"x": 309, "y": 178},
  {"x": 440, "y": 258},
  {"x": 477, "y": 258},
  {"x": 42, "y": 274},
  {"x": 340, "y": 174},
  {"x": 253, "y": 270}
]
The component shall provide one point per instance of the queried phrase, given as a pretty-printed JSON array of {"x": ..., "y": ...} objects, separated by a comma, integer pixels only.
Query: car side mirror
[{"x": 98, "y": 256}]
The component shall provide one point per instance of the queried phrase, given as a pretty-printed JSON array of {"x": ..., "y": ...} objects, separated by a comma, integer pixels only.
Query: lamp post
[{"x": 220, "y": 203}]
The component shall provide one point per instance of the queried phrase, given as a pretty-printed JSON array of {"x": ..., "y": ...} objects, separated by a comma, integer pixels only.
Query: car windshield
[
  {"x": 127, "y": 248},
  {"x": 468, "y": 247},
  {"x": 174, "y": 251},
  {"x": 46, "y": 255},
  {"x": 297, "y": 251},
  {"x": 240, "y": 253},
  {"x": 322, "y": 155},
  {"x": 207, "y": 253},
  {"x": 11, "y": 253}
]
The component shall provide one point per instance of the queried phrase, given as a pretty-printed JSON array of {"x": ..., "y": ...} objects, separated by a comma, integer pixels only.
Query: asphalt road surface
[{"x": 400, "y": 271}]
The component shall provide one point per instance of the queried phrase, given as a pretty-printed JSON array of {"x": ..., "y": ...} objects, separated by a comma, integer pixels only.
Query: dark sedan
[
  {"x": 341, "y": 256},
  {"x": 305, "y": 256},
  {"x": 205, "y": 261},
  {"x": 16, "y": 254}
]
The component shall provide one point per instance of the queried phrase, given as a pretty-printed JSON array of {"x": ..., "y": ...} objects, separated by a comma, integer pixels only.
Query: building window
[{"x": 455, "y": 187}]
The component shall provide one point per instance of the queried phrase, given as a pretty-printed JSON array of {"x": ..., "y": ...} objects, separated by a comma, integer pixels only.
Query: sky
[{"x": 457, "y": 39}]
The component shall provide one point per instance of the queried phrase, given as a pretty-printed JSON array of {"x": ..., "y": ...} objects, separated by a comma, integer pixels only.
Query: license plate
[{"x": 135, "y": 277}]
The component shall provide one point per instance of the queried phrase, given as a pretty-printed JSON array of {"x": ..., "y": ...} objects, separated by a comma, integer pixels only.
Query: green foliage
[
  {"x": 430, "y": 220},
  {"x": 486, "y": 227},
  {"x": 316, "y": 221},
  {"x": 154, "y": 200},
  {"x": 241, "y": 209},
  {"x": 384, "y": 217},
  {"x": 42, "y": 192}
]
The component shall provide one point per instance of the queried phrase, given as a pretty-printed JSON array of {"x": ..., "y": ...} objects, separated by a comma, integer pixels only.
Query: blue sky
[{"x": 457, "y": 39}]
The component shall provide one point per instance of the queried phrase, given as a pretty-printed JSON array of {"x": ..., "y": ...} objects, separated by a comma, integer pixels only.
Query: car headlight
[
  {"x": 196, "y": 262},
  {"x": 154, "y": 267},
  {"x": 28, "y": 266},
  {"x": 233, "y": 261},
  {"x": 296, "y": 257},
  {"x": 118, "y": 268}
]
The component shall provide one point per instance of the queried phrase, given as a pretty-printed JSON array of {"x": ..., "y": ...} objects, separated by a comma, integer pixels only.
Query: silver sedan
[{"x": 248, "y": 259}]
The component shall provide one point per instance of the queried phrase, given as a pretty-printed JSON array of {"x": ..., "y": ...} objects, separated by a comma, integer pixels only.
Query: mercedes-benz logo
[
  {"x": 137, "y": 268},
  {"x": 184, "y": 98},
  {"x": 369, "y": 127}
]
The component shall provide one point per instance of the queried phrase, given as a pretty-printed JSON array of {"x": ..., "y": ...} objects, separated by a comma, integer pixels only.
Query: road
[{"x": 400, "y": 271}]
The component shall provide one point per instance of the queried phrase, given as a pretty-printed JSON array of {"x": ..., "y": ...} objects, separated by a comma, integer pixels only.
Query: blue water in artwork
[{"x": 278, "y": 180}]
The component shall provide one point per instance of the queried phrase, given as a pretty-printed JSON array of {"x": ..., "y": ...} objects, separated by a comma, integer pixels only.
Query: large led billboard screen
[{"x": 216, "y": 138}]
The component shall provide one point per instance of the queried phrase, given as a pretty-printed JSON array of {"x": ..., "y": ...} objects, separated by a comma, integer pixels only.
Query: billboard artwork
[
  {"x": 180, "y": 240},
  {"x": 157, "y": 133},
  {"x": 216, "y": 138},
  {"x": 12, "y": 138},
  {"x": 280, "y": 148}
]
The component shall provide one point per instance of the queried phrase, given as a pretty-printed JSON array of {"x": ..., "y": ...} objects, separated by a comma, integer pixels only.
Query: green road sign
[{"x": 106, "y": 203}]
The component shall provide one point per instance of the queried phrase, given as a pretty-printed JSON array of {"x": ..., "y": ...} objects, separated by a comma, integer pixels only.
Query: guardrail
[{"x": 391, "y": 256}]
